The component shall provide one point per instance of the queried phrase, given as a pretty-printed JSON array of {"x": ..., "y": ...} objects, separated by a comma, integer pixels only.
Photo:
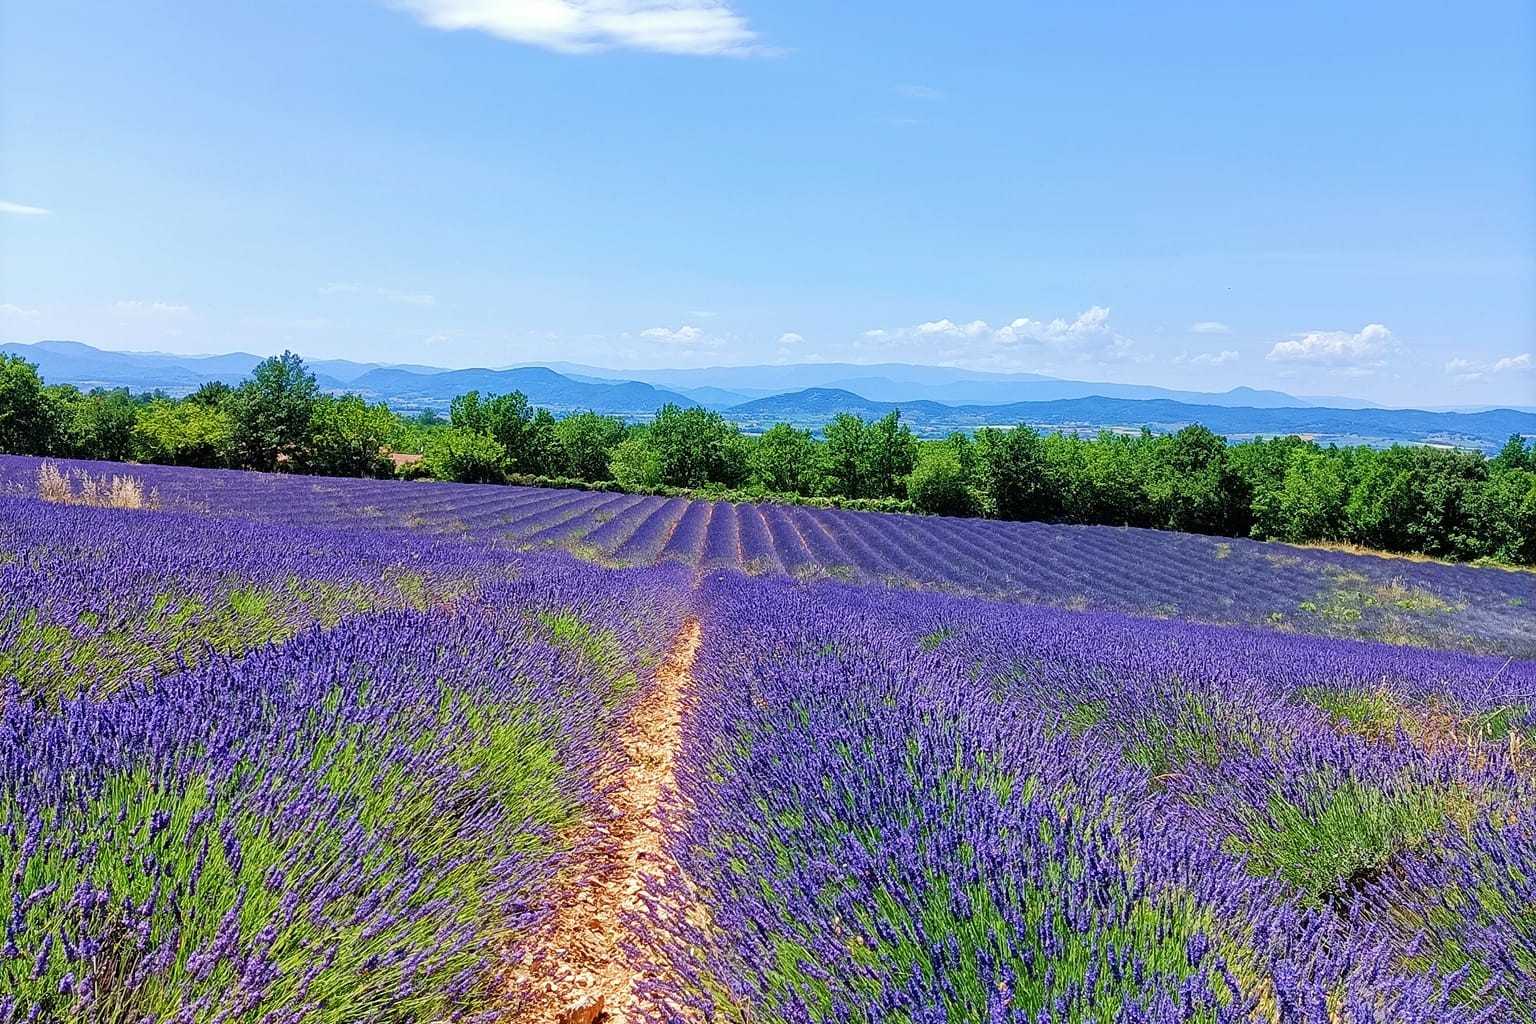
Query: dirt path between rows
[{"x": 579, "y": 972}]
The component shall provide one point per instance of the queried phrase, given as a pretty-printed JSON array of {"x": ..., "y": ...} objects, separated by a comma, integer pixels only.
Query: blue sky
[{"x": 1325, "y": 198}]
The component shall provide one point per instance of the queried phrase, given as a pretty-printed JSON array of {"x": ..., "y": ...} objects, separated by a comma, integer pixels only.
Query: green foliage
[
  {"x": 783, "y": 460},
  {"x": 1016, "y": 478},
  {"x": 940, "y": 485},
  {"x": 1515, "y": 454},
  {"x": 466, "y": 457},
  {"x": 635, "y": 462},
  {"x": 99, "y": 425},
  {"x": 272, "y": 412},
  {"x": 1307, "y": 500},
  {"x": 1341, "y": 838},
  {"x": 1375, "y": 714},
  {"x": 1191, "y": 487},
  {"x": 188, "y": 433},
  {"x": 867, "y": 460},
  {"x": 30, "y": 419},
  {"x": 697, "y": 446},
  {"x": 349, "y": 437},
  {"x": 1416, "y": 499},
  {"x": 587, "y": 441}
]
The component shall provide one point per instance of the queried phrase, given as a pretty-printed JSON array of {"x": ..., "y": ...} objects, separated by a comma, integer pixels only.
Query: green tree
[
  {"x": 542, "y": 452},
  {"x": 1191, "y": 487},
  {"x": 272, "y": 411},
  {"x": 465, "y": 456},
  {"x": 636, "y": 463},
  {"x": 214, "y": 392},
  {"x": 783, "y": 460},
  {"x": 587, "y": 441},
  {"x": 891, "y": 452},
  {"x": 100, "y": 425},
  {"x": 1309, "y": 503},
  {"x": 1502, "y": 512},
  {"x": 349, "y": 437},
  {"x": 186, "y": 433},
  {"x": 844, "y": 457},
  {"x": 528, "y": 435},
  {"x": 1015, "y": 475},
  {"x": 1112, "y": 489},
  {"x": 697, "y": 446},
  {"x": 1415, "y": 499},
  {"x": 939, "y": 483},
  {"x": 30, "y": 419},
  {"x": 1515, "y": 455}
]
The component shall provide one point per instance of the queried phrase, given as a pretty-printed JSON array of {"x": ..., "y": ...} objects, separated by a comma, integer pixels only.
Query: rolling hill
[{"x": 814, "y": 407}]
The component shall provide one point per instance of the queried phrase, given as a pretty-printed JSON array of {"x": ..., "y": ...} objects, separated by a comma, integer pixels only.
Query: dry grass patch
[{"x": 81, "y": 488}]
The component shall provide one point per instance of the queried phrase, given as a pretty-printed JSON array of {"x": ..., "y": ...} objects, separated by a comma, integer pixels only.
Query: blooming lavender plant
[
  {"x": 917, "y": 807},
  {"x": 358, "y": 819}
]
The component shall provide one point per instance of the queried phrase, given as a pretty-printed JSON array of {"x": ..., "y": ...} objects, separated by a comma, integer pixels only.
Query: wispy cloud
[
  {"x": 22, "y": 210},
  {"x": 388, "y": 294},
  {"x": 145, "y": 309},
  {"x": 15, "y": 312},
  {"x": 1209, "y": 327},
  {"x": 707, "y": 28},
  {"x": 790, "y": 338},
  {"x": 1086, "y": 337},
  {"x": 1221, "y": 358},
  {"x": 1466, "y": 371},
  {"x": 919, "y": 92},
  {"x": 1365, "y": 349},
  {"x": 685, "y": 335}
]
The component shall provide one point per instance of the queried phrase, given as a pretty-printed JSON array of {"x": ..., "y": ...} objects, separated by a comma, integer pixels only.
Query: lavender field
[
  {"x": 1143, "y": 572},
  {"x": 285, "y": 749}
]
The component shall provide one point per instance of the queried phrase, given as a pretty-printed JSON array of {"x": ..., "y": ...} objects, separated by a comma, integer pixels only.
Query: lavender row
[
  {"x": 93, "y": 599},
  {"x": 927, "y": 808},
  {"x": 1131, "y": 570},
  {"x": 361, "y": 823}
]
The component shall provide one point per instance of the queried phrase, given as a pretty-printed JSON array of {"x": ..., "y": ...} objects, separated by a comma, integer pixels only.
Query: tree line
[{"x": 1442, "y": 502}]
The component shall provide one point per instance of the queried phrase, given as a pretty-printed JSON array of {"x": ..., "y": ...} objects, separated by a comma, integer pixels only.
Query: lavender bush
[
  {"x": 357, "y": 819},
  {"x": 923, "y": 808}
]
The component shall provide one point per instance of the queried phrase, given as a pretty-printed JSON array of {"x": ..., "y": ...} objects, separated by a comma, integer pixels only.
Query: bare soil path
[{"x": 579, "y": 972}]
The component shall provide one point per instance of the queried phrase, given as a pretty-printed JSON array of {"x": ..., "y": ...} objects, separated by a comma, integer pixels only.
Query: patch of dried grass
[{"x": 104, "y": 491}]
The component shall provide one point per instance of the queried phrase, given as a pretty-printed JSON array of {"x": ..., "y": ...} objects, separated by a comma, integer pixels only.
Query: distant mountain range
[
  {"x": 1486, "y": 430},
  {"x": 724, "y": 386},
  {"x": 933, "y": 399}
]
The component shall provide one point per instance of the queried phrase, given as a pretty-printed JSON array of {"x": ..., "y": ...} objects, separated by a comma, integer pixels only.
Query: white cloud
[
  {"x": 22, "y": 210},
  {"x": 974, "y": 329},
  {"x": 1088, "y": 338},
  {"x": 15, "y": 312},
  {"x": 684, "y": 335},
  {"x": 1221, "y": 358},
  {"x": 689, "y": 27},
  {"x": 790, "y": 338},
  {"x": 388, "y": 294},
  {"x": 1210, "y": 327},
  {"x": 1364, "y": 349},
  {"x": 1466, "y": 371},
  {"x": 141, "y": 308},
  {"x": 920, "y": 92}
]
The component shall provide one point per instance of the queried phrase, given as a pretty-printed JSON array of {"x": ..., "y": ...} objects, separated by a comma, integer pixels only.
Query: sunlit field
[{"x": 334, "y": 751}]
